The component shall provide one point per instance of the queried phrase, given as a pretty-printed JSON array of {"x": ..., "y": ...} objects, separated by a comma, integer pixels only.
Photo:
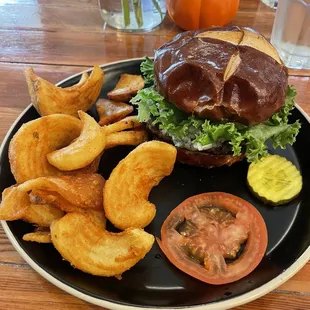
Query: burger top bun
[{"x": 223, "y": 74}]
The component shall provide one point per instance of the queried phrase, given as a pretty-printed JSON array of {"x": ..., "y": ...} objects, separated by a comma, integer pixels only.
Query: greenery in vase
[{"x": 137, "y": 8}]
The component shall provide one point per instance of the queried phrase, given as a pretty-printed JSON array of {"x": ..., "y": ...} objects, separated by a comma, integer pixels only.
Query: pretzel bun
[{"x": 222, "y": 74}]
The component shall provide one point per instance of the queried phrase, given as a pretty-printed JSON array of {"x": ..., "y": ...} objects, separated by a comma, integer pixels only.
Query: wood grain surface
[{"x": 62, "y": 37}]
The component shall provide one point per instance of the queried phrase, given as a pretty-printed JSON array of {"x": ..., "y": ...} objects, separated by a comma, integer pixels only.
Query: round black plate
[{"x": 154, "y": 282}]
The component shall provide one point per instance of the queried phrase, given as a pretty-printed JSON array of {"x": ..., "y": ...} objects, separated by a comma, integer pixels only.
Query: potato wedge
[
  {"x": 42, "y": 215},
  {"x": 129, "y": 122},
  {"x": 127, "y": 189},
  {"x": 110, "y": 111},
  {"x": 84, "y": 150},
  {"x": 38, "y": 236},
  {"x": 98, "y": 217},
  {"x": 35, "y": 139},
  {"x": 132, "y": 137},
  {"x": 91, "y": 168},
  {"x": 81, "y": 82},
  {"x": 69, "y": 193},
  {"x": 127, "y": 87},
  {"x": 14, "y": 203},
  {"x": 49, "y": 99},
  {"x": 54, "y": 199},
  {"x": 104, "y": 253}
]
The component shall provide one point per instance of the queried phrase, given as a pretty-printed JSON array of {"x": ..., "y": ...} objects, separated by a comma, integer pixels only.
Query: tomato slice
[{"x": 205, "y": 232}]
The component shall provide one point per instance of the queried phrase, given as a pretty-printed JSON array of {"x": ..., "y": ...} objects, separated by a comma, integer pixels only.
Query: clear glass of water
[
  {"x": 291, "y": 33},
  {"x": 133, "y": 15}
]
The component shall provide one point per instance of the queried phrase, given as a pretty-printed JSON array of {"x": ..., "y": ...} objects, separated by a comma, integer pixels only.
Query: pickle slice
[{"x": 274, "y": 180}]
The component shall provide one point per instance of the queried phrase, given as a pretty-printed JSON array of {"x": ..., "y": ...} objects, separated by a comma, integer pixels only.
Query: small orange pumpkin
[{"x": 198, "y": 14}]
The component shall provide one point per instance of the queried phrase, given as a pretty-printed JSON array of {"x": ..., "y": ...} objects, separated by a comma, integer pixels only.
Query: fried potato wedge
[
  {"x": 84, "y": 150},
  {"x": 83, "y": 191},
  {"x": 97, "y": 216},
  {"x": 129, "y": 122},
  {"x": 132, "y": 137},
  {"x": 42, "y": 215},
  {"x": 38, "y": 236},
  {"x": 35, "y": 139},
  {"x": 96, "y": 251},
  {"x": 127, "y": 189},
  {"x": 14, "y": 203},
  {"x": 110, "y": 111},
  {"x": 53, "y": 199},
  {"x": 127, "y": 86},
  {"x": 91, "y": 168},
  {"x": 49, "y": 99}
]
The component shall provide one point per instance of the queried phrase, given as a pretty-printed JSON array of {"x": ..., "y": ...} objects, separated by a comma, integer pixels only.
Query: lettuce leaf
[
  {"x": 196, "y": 134},
  {"x": 147, "y": 70}
]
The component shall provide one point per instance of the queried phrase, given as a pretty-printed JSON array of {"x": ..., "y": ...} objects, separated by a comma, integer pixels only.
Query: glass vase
[{"x": 133, "y": 15}]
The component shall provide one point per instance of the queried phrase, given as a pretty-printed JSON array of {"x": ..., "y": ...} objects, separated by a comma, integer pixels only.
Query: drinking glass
[
  {"x": 133, "y": 15},
  {"x": 291, "y": 33}
]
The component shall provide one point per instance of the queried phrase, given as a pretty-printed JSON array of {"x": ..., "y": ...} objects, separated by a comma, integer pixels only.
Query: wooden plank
[
  {"x": 66, "y": 48},
  {"x": 31, "y": 291},
  {"x": 52, "y": 16},
  {"x": 302, "y": 85},
  {"x": 8, "y": 254}
]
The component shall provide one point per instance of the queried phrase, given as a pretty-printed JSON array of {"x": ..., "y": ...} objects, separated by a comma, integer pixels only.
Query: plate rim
[{"x": 219, "y": 305}]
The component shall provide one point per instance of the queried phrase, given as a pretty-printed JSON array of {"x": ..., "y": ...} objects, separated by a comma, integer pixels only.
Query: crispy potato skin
[
  {"x": 69, "y": 193},
  {"x": 110, "y": 111},
  {"x": 104, "y": 253},
  {"x": 129, "y": 122},
  {"x": 41, "y": 136},
  {"x": 49, "y": 99},
  {"x": 14, "y": 203},
  {"x": 131, "y": 137},
  {"x": 38, "y": 236},
  {"x": 127, "y": 86},
  {"x": 42, "y": 215},
  {"x": 84, "y": 150},
  {"x": 127, "y": 189}
]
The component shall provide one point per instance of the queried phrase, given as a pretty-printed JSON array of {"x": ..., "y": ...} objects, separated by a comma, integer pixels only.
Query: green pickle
[{"x": 274, "y": 180}]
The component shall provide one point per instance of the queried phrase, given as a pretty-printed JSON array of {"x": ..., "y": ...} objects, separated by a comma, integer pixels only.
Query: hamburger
[{"x": 218, "y": 95}]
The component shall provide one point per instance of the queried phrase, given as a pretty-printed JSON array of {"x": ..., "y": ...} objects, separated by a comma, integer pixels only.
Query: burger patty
[
  {"x": 214, "y": 157},
  {"x": 223, "y": 148}
]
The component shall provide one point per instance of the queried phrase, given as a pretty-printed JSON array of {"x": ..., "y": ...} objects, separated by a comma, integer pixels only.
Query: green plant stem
[
  {"x": 126, "y": 12},
  {"x": 157, "y": 7},
  {"x": 138, "y": 12}
]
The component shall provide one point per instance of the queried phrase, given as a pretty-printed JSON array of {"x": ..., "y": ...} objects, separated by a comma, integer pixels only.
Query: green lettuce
[
  {"x": 194, "y": 133},
  {"x": 147, "y": 70}
]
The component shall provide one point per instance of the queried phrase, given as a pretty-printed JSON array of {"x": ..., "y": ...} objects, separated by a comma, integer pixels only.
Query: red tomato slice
[{"x": 205, "y": 230}]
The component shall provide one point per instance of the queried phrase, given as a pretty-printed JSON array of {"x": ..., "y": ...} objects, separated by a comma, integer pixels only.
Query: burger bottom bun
[{"x": 206, "y": 160}]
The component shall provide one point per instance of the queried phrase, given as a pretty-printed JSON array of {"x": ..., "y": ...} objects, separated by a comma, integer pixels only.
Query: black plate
[{"x": 154, "y": 282}]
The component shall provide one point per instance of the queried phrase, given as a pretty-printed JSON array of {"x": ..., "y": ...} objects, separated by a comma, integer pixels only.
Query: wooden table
[{"x": 62, "y": 37}]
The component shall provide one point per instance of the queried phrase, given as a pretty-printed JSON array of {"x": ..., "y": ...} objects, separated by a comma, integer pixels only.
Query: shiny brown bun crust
[{"x": 223, "y": 74}]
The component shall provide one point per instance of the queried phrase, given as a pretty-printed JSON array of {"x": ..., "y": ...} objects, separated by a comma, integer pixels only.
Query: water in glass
[
  {"x": 153, "y": 12},
  {"x": 291, "y": 33}
]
